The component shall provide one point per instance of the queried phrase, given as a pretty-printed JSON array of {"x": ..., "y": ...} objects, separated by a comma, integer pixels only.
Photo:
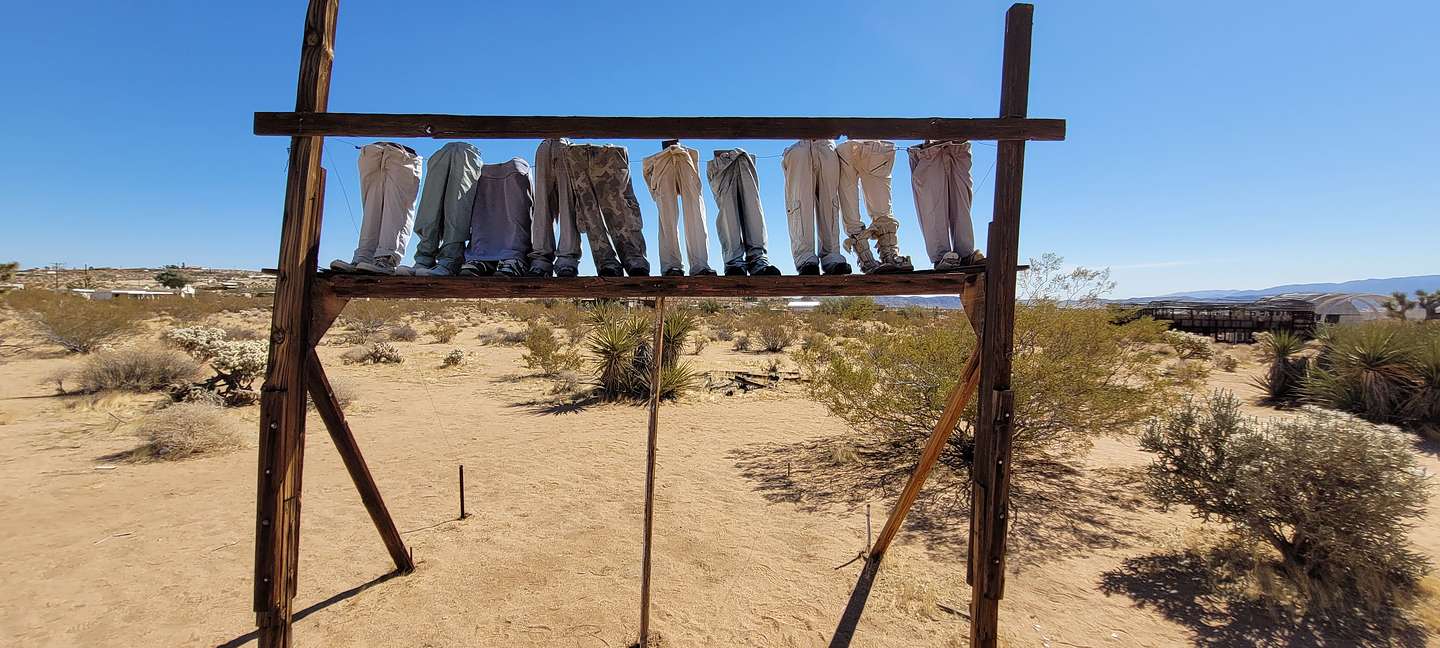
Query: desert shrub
[
  {"x": 135, "y": 369},
  {"x": 195, "y": 340},
  {"x": 1281, "y": 382},
  {"x": 1227, "y": 363},
  {"x": 855, "y": 308},
  {"x": 1190, "y": 373},
  {"x": 698, "y": 344},
  {"x": 709, "y": 306},
  {"x": 237, "y": 363},
  {"x": 1188, "y": 345},
  {"x": 723, "y": 332},
  {"x": 403, "y": 333},
  {"x": 185, "y": 430},
  {"x": 444, "y": 332},
  {"x": 545, "y": 353},
  {"x": 454, "y": 358},
  {"x": 1383, "y": 371},
  {"x": 76, "y": 324},
  {"x": 502, "y": 337},
  {"x": 622, "y": 356},
  {"x": 1076, "y": 376},
  {"x": 239, "y": 333},
  {"x": 741, "y": 343},
  {"x": 373, "y": 353},
  {"x": 367, "y": 317},
  {"x": 1331, "y": 494},
  {"x": 775, "y": 330}
]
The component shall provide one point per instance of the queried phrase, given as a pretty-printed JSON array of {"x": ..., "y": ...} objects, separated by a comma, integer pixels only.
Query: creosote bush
[
  {"x": 186, "y": 430},
  {"x": 444, "y": 332},
  {"x": 136, "y": 369},
  {"x": 1332, "y": 495},
  {"x": 76, "y": 324},
  {"x": 547, "y": 354},
  {"x": 403, "y": 333},
  {"x": 1188, "y": 346},
  {"x": 774, "y": 329}
]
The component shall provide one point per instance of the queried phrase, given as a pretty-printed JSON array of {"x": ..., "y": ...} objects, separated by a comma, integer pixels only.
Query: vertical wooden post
[
  {"x": 657, "y": 356},
  {"x": 282, "y": 401},
  {"x": 990, "y": 495}
]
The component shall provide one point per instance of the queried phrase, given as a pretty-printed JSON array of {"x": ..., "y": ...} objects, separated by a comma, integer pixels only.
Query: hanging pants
[
  {"x": 940, "y": 176},
  {"x": 740, "y": 221},
  {"x": 446, "y": 200},
  {"x": 675, "y": 173},
  {"x": 866, "y": 165},
  {"x": 389, "y": 180},
  {"x": 812, "y": 202},
  {"x": 606, "y": 210},
  {"x": 553, "y": 206},
  {"x": 500, "y": 222}
]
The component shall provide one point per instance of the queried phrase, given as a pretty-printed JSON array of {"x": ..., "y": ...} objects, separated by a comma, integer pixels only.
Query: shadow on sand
[{"x": 313, "y": 608}]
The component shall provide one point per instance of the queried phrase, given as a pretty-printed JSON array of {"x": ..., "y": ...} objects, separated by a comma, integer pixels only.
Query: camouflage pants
[{"x": 605, "y": 206}]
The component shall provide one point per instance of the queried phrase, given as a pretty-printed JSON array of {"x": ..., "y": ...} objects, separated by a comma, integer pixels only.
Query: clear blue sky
[{"x": 1211, "y": 145}]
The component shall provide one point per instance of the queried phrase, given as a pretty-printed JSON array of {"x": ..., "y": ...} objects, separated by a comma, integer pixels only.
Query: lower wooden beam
[{"x": 329, "y": 409}]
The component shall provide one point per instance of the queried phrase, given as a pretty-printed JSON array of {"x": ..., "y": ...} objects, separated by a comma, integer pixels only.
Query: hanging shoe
[
  {"x": 838, "y": 268},
  {"x": 380, "y": 266},
  {"x": 808, "y": 268},
  {"x": 767, "y": 270},
  {"x": 949, "y": 261},
  {"x": 477, "y": 269},
  {"x": 341, "y": 265},
  {"x": 973, "y": 259},
  {"x": 703, "y": 273},
  {"x": 673, "y": 272},
  {"x": 611, "y": 271},
  {"x": 567, "y": 271},
  {"x": 734, "y": 271}
]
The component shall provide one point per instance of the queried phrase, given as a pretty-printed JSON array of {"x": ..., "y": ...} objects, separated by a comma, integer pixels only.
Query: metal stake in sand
[
  {"x": 657, "y": 354},
  {"x": 463, "y": 514}
]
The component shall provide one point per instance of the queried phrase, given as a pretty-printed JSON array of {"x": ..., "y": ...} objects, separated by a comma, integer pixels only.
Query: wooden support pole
[
  {"x": 990, "y": 487},
  {"x": 282, "y": 401},
  {"x": 329, "y": 409},
  {"x": 954, "y": 407},
  {"x": 657, "y": 356}
]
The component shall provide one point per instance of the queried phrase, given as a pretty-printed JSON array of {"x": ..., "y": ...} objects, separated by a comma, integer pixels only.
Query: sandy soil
[{"x": 754, "y": 521}]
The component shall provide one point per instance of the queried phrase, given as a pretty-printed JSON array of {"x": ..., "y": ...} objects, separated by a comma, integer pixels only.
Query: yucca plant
[
  {"x": 1423, "y": 403},
  {"x": 679, "y": 325},
  {"x": 1367, "y": 370},
  {"x": 1287, "y": 369},
  {"x": 620, "y": 344}
]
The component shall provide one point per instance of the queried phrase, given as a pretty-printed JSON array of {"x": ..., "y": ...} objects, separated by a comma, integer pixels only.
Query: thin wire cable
[{"x": 344, "y": 192}]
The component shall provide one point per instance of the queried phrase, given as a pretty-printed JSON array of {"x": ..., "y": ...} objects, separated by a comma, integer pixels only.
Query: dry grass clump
[
  {"x": 137, "y": 369},
  {"x": 367, "y": 317},
  {"x": 373, "y": 353},
  {"x": 444, "y": 332},
  {"x": 1227, "y": 363},
  {"x": 76, "y": 324},
  {"x": 454, "y": 358},
  {"x": 403, "y": 333},
  {"x": 775, "y": 330},
  {"x": 500, "y": 336},
  {"x": 186, "y": 430}
]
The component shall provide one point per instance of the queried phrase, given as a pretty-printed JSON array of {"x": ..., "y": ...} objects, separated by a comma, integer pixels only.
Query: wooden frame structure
[{"x": 307, "y": 303}]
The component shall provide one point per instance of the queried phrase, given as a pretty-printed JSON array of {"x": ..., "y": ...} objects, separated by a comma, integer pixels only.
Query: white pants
[
  {"x": 675, "y": 173},
  {"x": 812, "y": 202},
  {"x": 389, "y": 182},
  {"x": 940, "y": 176},
  {"x": 866, "y": 165}
]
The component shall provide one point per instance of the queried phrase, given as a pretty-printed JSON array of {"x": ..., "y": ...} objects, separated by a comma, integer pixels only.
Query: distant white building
[
  {"x": 104, "y": 294},
  {"x": 802, "y": 305}
]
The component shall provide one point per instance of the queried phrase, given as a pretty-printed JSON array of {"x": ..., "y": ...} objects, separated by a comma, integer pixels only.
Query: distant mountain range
[{"x": 1368, "y": 286}]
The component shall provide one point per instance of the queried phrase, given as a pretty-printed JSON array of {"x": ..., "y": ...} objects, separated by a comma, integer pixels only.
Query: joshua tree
[
  {"x": 1398, "y": 304},
  {"x": 1430, "y": 301}
]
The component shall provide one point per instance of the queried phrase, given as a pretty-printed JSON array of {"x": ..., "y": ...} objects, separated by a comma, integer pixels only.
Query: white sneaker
[
  {"x": 949, "y": 261},
  {"x": 381, "y": 266},
  {"x": 341, "y": 265}
]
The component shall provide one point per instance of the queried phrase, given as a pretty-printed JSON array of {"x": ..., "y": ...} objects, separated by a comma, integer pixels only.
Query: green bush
[
  {"x": 1387, "y": 372},
  {"x": 544, "y": 352},
  {"x": 1332, "y": 495},
  {"x": 776, "y": 330},
  {"x": 1076, "y": 376},
  {"x": 454, "y": 358},
  {"x": 621, "y": 355},
  {"x": 1188, "y": 345},
  {"x": 855, "y": 308}
]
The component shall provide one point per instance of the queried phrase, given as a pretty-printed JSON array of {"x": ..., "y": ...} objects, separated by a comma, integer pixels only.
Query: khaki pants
[
  {"x": 389, "y": 181},
  {"x": 675, "y": 173},
  {"x": 940, "y": 176},
  {"x": 448, "y": 196},
  {"x": 812, "y": 202},
  {"x": 553, "y": 207},
  {"x": 866, "y": 165}
]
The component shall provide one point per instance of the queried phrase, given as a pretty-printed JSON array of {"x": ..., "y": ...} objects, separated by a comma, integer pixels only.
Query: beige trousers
[
  {"x": 672, "y": 174},
  {"x": 866, "y": 165},
  {"x": 812, "y": 202}
]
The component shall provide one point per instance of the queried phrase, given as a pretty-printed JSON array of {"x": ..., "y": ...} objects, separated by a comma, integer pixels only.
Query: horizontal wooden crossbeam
[
  {"x": 522, "y": 127},
  {"x": 910, "y": 283}
]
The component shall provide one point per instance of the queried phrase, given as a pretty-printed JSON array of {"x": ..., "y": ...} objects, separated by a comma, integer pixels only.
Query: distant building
[
  {"x": 1342, "y": 308},
  {"x": 802, "y": 305},
  {"x": 1234, "y": 321},
  {"x": 104, "y": 294}
]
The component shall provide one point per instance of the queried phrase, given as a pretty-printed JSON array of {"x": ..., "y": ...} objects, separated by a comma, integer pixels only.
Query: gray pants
[
  {"x": 671, "y": 174},
  {"x": 940, "y": 176},
  {"x": 446, "y": 200},
  {"x": 389, "y": 180},
  {"x": 812, "y": 202},
  {"x": 553, "y": 206},
  {"x": 741, "y": 221},
  {"x": 605, "y": 206},
  {"x": 500, "y": 222}
]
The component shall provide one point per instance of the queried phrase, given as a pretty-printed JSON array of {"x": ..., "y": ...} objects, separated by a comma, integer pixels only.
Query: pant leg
[
  {"x": 961, "y": 190},
  {"x": 697, "y": 238},
  {"x": 567, "y": 250},
  {"x": 799, "y": 171},
  {"x": 827, "y": 202},
  {"x": 660, "y": 175},
  {"x": 542, "y": 223},
  {"x": 849, "y": 152},
  {"x": 465, "y": 166},
  {"x": 752, "y": 214},
  {"x": 402, "y": 184},
  {"x": 877, "y": 167},
  {"x": 587, "y": 205},
  {"x": 929, "y": 180},
  {"x": 431, "y": 211},
  {"x": 619, "y": 206},
  {"x": 724, "y": 186},
  {"x": 372, "y": 200}
]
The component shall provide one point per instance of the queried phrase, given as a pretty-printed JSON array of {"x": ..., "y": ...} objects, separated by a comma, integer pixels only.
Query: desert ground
[{"x": 758, "y": 520}]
